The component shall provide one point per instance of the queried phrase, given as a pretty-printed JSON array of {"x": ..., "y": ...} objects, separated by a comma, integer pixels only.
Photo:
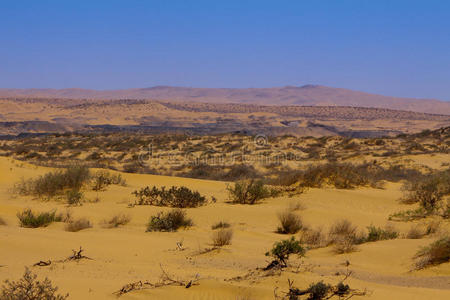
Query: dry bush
[
  {"x": 436, "y": 253},
  {"x": 295, "y": 205},
  {"x": 77, "y": 225},
  {"x": 433, "y": 226},
  {"x": 314, "y": 238},
  {"x": 116, "y": 221},
  {"x": 220, "y": 225},
  {"x": 290, "y": 223},
  {"x": 222, "y": 237},
  {"x": 29, "y": 288},
  {"x": 344, "y": 235},
  {"x": 2, "y": 222},
  {"x": 415, "y": 232}
]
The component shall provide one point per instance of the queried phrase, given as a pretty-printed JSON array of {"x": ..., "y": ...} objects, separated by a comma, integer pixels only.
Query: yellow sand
[{"x": 127, "y": 254}]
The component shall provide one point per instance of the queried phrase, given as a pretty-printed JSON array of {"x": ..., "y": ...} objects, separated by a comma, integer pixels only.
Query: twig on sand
[
  {"x": 43, "y": 263},
  {"x": 165, "y": 280},
  {"x": 77, "y": 255}
]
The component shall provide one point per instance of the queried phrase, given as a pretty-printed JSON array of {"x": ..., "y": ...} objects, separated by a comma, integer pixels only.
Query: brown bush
[
  {"x": 313, "y": 238},
  {"x": 29, "y": 288},
  {"x": 436, "y": 253},
  {"x": 116, "y": 221},
  {"x": 290, "y": 223},
  {"x": 220, "y": 225},
  {"x": 344, "y": 235},
  {"x": 77, "y": 225},
  {"x": 222, "y": 237}
]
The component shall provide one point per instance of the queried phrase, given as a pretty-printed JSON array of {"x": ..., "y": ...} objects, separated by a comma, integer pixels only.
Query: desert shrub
[
  {"x": 116, "y": 221},
  {"x": 77, "y": 225},
  {"x": 101, "y": 179},
  {"x": 220, "y": 225},
  {"x": 29, "y": 219},
  {"x": 29, "y": 288},
  {"x": 285, "y": 178},
  {"x": 318, "y": 290},
  {"x": 2, "y": 222},
  {"x": 74, "y": 197},
  {"x": 344, "y": 235},
  {"x": 248, "y": 192},
  {"x": 290, "y": 223},
  {"x": 283, "y": 249},
  {"x": 295, "y": 205},
  {"x": 222, "y": 237},
  {"x": 378, "y": 234},
  {"x": 409, "y": 215},
  {"x": 341, "y": 175},
  {"x": 428, "y": 191},
  {"x": 415, "y": 232},
  {"x": 314, "y": 238},
  {"x": 432, "y": 226},
  {"x": 436, "y": 253},
  {"x": 169, "y": 221},
  {"x": 54, "y": 183},
  {"x": 180, "y": 197}
]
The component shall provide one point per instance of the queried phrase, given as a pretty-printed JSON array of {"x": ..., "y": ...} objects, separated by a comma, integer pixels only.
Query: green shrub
[
  {"x": 318, "y": 290},
  {"x": 409, "y": 215},
  {"x": 74, "y": 197},
  {"x": 436, "y": 253},
  {"x": 54, "y": 183},
  {"x": 378, "y": 234},
  {"x": 283, "y": 249},
  {"x": 169, "y": 221},
  {"x": 29, "y": 288},
  {"x": 248, "y": 192},
  {"x": 290, "y": 223},
  {"x": 180, "y": 197},
  {"x": 29, "y": 219}
]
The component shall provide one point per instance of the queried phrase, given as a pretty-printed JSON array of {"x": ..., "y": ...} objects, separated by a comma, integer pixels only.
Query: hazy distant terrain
[
  {"x": 309, "y": 95},
  {"x": 27, "y": 115}
]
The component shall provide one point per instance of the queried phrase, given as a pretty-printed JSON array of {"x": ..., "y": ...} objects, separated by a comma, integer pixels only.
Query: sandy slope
[{"x": 130, "y": 254}]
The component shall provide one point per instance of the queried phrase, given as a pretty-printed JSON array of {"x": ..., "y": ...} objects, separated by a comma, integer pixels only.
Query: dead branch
[
  {"x": 165, "y": 280},
  {"x": 77, "y": 255},
  {"x": 42, "y": 263}
]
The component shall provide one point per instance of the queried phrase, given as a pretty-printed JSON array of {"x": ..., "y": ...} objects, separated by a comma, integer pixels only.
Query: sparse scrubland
[{"x": 296, "y": 218}]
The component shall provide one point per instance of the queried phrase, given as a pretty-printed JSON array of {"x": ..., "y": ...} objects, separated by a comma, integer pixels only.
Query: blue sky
[{"x": 399, "y": 48}]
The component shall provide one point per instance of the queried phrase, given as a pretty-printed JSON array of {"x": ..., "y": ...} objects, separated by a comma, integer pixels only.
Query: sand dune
[{"x": 128, "y": 253}]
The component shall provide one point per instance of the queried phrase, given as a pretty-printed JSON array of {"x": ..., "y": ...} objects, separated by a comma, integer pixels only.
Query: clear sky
[{"x": 390, "y": 47}]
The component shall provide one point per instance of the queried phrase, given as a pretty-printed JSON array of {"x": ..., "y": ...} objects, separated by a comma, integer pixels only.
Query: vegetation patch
[
  {"x": 180, "y": 197},
  {"x": 169, "y": 221},
  {"x": 30, "y": 219},
  {"x": 28, "y": 287},
  {"x": 436, "y": 253},
  {"x": 248, "y": 192}
]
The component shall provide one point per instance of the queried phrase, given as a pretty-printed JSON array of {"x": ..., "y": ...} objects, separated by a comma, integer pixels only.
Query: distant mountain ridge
[{"x": 309, "y": 95}]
